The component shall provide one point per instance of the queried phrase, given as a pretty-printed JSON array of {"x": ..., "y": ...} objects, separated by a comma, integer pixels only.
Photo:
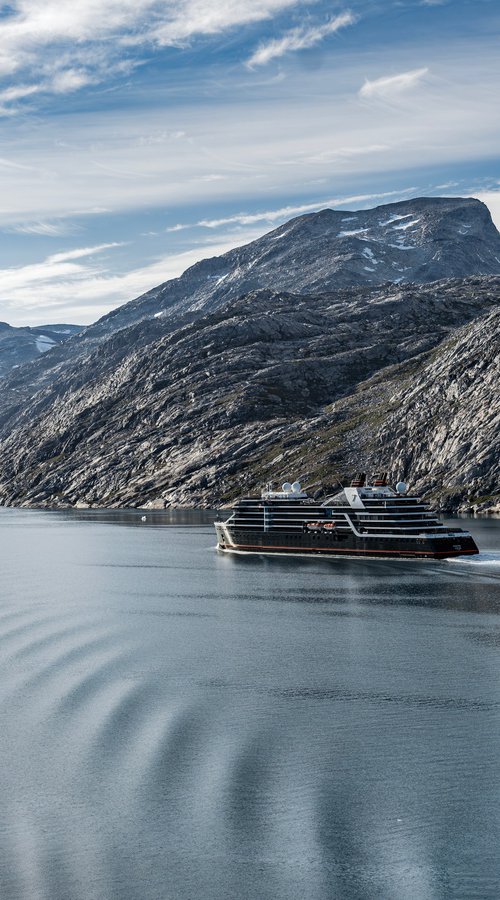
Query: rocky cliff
[
  {"x": 271, "y": 384},
  {"x": 443, "y": 428}
]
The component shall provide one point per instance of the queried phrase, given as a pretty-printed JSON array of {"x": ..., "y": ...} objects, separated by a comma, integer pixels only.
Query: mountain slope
[
  {"x": 445, "y": 426},
  {"x": 240, "y": 395}
]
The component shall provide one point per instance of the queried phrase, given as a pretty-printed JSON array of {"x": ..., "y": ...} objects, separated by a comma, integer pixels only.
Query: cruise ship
[{"x": 362, "y": 520}]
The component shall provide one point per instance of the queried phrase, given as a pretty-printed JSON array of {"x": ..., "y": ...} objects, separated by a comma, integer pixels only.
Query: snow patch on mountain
[
  {"x": 44, "y": 343},
  {"x": 352, "y": 233}
]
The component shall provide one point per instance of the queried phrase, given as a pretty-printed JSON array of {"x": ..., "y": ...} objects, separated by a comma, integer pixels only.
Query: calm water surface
[{"x": 181, "y": 725}]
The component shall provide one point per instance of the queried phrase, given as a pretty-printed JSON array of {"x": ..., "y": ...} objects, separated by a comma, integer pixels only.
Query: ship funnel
[
  {"x": 359, "y": 479},
  {"x": 380, "y": 480}
]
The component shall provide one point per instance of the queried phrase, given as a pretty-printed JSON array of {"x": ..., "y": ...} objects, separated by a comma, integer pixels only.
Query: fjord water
[{"x": 178, "y": 724}]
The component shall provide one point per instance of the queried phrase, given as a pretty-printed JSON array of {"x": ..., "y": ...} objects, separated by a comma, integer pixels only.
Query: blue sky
[{"x": 138, "y": 136}]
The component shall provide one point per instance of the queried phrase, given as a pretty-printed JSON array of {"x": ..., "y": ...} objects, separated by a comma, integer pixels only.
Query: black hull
[{"x": 293, "y": 544}]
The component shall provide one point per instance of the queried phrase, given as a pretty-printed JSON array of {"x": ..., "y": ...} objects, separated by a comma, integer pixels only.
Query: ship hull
[{"x": 336, "y": 545}]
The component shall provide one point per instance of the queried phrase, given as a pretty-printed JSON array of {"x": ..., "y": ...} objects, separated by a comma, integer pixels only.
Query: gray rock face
[
  {"x": 444, "y": 430},
  {"x": 21, "y": 345},
  {"x": 272, "y": 384},
  {"x": 413, "y": 241}
]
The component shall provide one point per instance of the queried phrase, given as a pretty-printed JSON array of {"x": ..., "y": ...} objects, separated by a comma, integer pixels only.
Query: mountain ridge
[{"x": 330, "y": 249}]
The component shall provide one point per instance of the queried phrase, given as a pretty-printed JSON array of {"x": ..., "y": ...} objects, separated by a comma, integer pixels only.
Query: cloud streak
[
  {"x": 392, "y": 85},
  {"x": 18, "y": 281},
  {"x": 299, "y": 39},
  {"x": 287, "y": 212},
  {"x": 44, "y": 229}
]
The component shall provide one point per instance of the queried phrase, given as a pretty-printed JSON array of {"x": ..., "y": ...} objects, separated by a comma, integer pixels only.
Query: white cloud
[
  {"x": 80, "y": 252},
  {"x": 19, "y": 281},
  {"x": 68, "y": 44},
  {"x": 299, "y": 39},
  {"x": 60, "y": 287},
  {"x": 187, "y": 18},
  {"x": 150, "y": 161},
  {"x": 70, "y": 80},
  {"x": 18, "y": 92},
  {"x": 392, "y": 85}
]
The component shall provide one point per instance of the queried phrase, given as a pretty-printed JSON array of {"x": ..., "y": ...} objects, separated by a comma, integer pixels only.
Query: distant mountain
[
  {"x": 272, "y": 384},
  {"x": 418, "y": 241},
  {"x": 21, "y": 345}
]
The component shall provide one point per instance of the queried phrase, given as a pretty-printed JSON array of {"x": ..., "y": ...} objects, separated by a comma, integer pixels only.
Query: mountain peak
[{"x": 409, "y": 241}]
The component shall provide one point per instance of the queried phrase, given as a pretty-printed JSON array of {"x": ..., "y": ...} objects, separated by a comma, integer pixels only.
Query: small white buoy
[{"x": 143, "y": 518}]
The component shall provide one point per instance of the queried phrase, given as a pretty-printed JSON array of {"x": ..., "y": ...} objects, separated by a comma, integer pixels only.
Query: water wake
[{"x": 484, "y": 558}]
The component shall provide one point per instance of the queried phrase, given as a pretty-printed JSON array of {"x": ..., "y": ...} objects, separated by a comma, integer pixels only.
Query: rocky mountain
[
  {"x": 21, "y": 345},
  {"x": 323, "y": 346},
  {"x": 418, "y": 240},
  {"x": 271, "y": 384}
]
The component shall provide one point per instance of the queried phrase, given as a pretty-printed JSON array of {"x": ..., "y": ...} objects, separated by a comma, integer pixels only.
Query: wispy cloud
[
  {"x": 392, "y": 85},
  {"x": 64, "y": 45},
  {"x": 81, "y": 252},
  {"x": 299, "y": 39},
  {"x": 163, "y": 157},
  {"x": 187, "y": 18},
  {"x": 287, "y": 212},
  {"x": 17, "y": 281},
  {"x": 79, "y": 288},
  {"x": 44, "y": 229}
]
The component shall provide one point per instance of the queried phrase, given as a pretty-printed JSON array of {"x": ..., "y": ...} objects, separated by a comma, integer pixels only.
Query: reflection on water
[{"x": 179, "y": 724}]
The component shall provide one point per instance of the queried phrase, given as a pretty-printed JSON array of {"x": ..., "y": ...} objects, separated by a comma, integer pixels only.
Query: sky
[{"x": 139, "y": 136}]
